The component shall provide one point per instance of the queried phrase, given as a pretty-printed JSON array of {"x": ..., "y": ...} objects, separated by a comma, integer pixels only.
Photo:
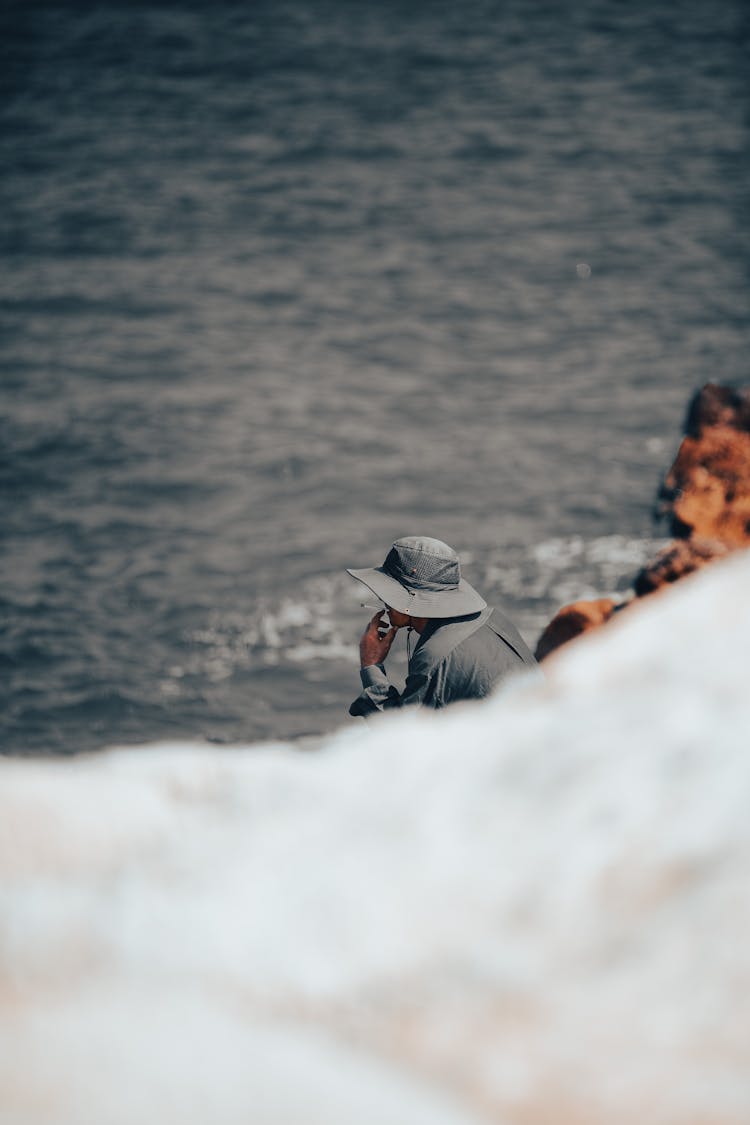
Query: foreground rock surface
[{"x": 532, "y": 910}]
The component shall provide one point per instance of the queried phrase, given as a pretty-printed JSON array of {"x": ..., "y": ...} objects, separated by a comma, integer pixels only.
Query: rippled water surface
[{"x": 284, "y": 281}]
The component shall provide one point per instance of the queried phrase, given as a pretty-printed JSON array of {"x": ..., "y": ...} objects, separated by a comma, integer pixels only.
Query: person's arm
[{"x": 378, "y": 693}]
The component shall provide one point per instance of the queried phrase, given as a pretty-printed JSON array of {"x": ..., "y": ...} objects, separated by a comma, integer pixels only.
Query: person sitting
[{"x": 465, "y": 648}]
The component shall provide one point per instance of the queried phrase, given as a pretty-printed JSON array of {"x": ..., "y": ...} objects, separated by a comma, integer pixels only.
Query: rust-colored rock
[
  {"x": 706, "y": 492},
  {"x": 681, "y": 557},
  {"x": 571, "y": 621},
  {"x": 714, "y": 405}
]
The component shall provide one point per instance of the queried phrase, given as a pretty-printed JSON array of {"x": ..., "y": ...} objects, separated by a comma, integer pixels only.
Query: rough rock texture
[
  {"x": 714, "y": 405},
  {"x": 572, "y": 621},
  {"x": 707, "y": 490},
  {"x": 681, "y": 557},
  {"x": 705, "y": 494}
]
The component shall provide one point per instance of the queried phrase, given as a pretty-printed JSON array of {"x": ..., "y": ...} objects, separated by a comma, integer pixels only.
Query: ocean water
[{"x": 283, "y": 281}]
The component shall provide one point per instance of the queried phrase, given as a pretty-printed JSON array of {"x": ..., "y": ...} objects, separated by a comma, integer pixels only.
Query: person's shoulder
[
  {"x": 503, "y": 628},
  {"x": 443, "y": 637}
]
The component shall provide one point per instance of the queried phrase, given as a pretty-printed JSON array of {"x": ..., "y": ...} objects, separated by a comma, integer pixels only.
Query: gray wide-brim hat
[{"x": 422, "y": 577}]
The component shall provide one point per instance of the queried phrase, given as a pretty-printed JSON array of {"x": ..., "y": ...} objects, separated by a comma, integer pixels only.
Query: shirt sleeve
[{"x": 379, "y": 694}]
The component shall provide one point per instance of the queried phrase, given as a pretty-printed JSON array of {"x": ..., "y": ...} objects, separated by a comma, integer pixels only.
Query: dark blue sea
[{"x": 284, "y": 281}]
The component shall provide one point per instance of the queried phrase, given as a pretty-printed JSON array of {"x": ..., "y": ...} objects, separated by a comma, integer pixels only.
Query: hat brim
[{"x": 420, "y": 603}]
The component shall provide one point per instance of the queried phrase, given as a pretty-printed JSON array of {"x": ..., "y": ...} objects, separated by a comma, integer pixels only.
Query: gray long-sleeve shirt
[{"x": 456, "y": 658}]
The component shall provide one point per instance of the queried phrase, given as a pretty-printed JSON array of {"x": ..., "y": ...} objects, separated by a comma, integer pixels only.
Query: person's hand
[{"x": 374, "y": 647}]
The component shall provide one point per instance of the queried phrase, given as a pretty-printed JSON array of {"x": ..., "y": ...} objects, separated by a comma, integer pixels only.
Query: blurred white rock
[{"x": 533, "y": 910}]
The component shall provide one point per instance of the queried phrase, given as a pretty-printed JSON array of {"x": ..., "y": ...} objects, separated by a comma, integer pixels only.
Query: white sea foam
[
  {"x": 530, "y": 909},
  {"x": 320, "y": 623}
]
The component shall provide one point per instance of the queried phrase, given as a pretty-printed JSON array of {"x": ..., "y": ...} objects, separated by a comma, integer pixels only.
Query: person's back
[
  {"x": 465, "y": 648},
  {"x": 467, "y": 658}
]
